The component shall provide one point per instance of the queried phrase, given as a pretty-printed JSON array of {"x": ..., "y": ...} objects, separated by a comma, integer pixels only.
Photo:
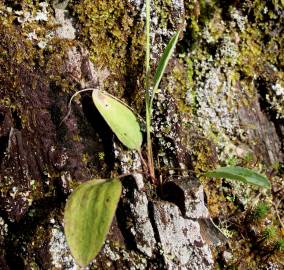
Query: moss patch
[{"x": 114, "y": 36}]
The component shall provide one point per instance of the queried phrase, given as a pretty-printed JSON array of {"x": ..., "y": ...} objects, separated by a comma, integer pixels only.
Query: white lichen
[
  {"x": 213, "y": 94},
  {"x": 130, "y": 162},
  {"x": 3, "y": 228},
  {"x": 107, "y": 250},
  {"x": 165, "y": 125},
  {"x": 240, "y": 20},
  {"x": 228, "y": 51},
  {"x": 276, "y": 99},
  {"x": 28, "y": 16},
  {"x": 58, "y": 248},
  {"x": 65, "y": 29}
]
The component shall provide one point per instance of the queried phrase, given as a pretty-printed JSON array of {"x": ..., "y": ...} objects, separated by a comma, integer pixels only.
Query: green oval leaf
[
  {"x": 88, "y": 215},
  {"x": 242, "y": 174},
  {"x": 120, "y": 118}
]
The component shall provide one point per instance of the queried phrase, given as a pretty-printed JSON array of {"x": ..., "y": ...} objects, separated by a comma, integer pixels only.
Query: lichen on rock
[{"x": 60, "y": 254}]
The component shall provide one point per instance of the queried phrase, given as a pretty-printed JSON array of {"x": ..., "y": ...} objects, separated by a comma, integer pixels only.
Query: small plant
[
  {"x": 269, "y": 233},
  {"x": 91, "y": 207},
  {"x": 279, "y": 245},
  {"x": 267, "y": 236},
  {"x": 260, "y": 211},
  {"x": 276, "y": 248},
  {"x": 269, "y": 243}
]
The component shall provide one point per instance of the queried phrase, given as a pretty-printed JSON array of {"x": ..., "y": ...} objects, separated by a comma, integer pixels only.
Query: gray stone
[
  {"x": 142, "y": 228},
  {"x": 188, "y": 195},
  {"x": 182, "y": 244}
]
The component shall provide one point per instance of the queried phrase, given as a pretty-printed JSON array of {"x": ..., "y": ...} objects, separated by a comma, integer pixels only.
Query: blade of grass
[{"x": 163, "y": 64}]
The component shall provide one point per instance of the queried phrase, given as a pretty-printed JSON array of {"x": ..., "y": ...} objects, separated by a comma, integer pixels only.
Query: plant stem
[
  {"x": 144, "y": 164},
  {"x": 149, "y": 144},
  {"x": 147, "y": 96},
  {"x": 70, "y": 103}
]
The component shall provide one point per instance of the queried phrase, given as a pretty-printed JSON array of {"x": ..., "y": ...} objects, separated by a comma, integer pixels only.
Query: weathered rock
[
  {"x": 32, "y": 150},
  {"x": 188, "y": 194},
  {"x": 142, "y": 228},
  {"x": 181, "y": 241}
]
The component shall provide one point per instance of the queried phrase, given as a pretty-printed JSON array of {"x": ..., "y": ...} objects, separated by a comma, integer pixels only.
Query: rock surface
[
  {"x": 182, "y": 244},
  {"x": 220, "y": 102}
]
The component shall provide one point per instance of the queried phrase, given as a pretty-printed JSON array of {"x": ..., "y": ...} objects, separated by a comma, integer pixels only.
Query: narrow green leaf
[
  {"x": 120, "y": 118},
  {"x": 88, "y": 215},
  {"x": 147, "y": 55},
  {"x": 147, "y": 32},
  {"x": 242, "y": 174},
  {"x": 164, "y": 62}
]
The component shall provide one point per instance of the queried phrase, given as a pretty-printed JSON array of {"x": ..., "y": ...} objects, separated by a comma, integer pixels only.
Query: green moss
[
  {"x": 250, "y": 53},
  {"x": 22, "y": 63},
  {"x": 114, "y": 40},
  {"x": 199, "y": 14},
  {"x": 178, "y": 85},
  {"x": 162, "y": 10},
  {"x": 207, "y": 9},
  {"x": 203, "y": 155},
  {"x": 258, "y": 46}
]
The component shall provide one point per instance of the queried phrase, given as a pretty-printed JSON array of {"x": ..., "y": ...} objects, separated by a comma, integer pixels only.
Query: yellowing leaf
[
  {"x": 120, "y": 118},
  {"x": 88, "y": 215},
  {"x": 242, "y": 174}
]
